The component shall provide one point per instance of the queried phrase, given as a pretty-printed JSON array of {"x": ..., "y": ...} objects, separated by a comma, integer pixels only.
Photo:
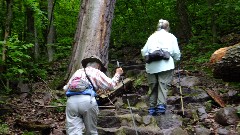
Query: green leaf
[{"x": 20, "y": 71}]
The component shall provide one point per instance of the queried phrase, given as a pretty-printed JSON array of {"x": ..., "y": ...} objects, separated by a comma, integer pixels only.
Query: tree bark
[
  {"x": 185, "y": 32},
  {"x": 2, "y": 6},
  {"x": 213, "y": 20},
  {"x": 36, "y": 44},
  {"x": 93, "y": 32},
  {"x": 29, "y": 34},
  {"x": 51, "y": 31},
  {"x": 7, "y": 28}
]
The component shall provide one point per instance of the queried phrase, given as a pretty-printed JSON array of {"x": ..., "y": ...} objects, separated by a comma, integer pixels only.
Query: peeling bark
[{"x": 93, "y": 32}]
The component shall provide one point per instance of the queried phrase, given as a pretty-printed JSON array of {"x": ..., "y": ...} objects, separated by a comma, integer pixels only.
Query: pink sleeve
[{"x": 104, "y": 82}]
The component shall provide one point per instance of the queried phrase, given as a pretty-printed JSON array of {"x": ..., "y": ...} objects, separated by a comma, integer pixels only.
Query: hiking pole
[
  {"x": 118, "y": 65},
  {"x": 180, "y": 88}
]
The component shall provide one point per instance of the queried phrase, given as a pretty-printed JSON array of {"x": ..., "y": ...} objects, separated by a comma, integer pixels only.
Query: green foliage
[
  {"x": 18, "y": 57},
  {"x": 198, "y": 51},
  {"x": 59, "y": 102},
  {"x": 39, "y": 15},
  {"x": 64, "y": 49},
  {"x": 208, "y": 105},
  {"x": 140, "y": 79},
  {"x": 135, "y": 20},
  {"x": 238, "y": 111},
  {"x": 29, "y": 133},
  {"x": 66, "y": 15},
  {"x": 19, "y": 64},
  {"x": 235, "y": 84},
  {"x": 4, "y": 129}
]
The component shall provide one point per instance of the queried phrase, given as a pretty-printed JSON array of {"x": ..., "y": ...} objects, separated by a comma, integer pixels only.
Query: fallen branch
[{"x": 216, "y": 98}]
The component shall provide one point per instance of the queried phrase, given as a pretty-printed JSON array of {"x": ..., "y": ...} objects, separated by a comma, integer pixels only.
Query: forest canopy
[{"x": 35, "y": 33}]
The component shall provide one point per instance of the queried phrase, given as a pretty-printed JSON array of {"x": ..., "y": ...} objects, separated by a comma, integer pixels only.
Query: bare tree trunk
[
  {"x": 93, "y": 32},
  {"x": 7, "y": 33},
  {"x": 29, "y": 34},
  {"x": 36, "y": 44},
  {"x": 51, "y": 31},
  {"x": 2, "y": 6},
  {"x": 185, "y": 31},
  {"x": 7, "y": 28},
  {"x": 213, "y": 22}
]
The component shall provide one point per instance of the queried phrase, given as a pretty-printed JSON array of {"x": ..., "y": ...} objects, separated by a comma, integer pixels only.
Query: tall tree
[
  {"x": 30, "y": 25},
  {"x": 185, "y": 32},
  {"x": 2, "y": 12},
  {"x": 213, "y": 20},
  {"x": 7, "y": 27},
  {"x": 93, "y": 32},
  {"x": 7, "y": 32},
  {"x": 50, "y": 31},
  {"x": 36, "y": 43}
]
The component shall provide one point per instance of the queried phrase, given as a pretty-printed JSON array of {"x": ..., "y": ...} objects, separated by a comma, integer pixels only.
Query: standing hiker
[
  {"x": 82, "y": 109},
  {"x": 160, "y": 72}
]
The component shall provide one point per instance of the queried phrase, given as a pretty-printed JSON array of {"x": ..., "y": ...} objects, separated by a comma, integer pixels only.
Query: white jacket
[{"x": 166, "y": 41}]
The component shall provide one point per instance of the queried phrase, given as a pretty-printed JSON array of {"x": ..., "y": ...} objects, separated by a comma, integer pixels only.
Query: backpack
[
  {"x": 78, "y": 84},
  {"x": 157, "y": 55}
]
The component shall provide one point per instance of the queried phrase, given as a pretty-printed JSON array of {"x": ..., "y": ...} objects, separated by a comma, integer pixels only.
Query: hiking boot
[
  {"x": 152, "y": 111},
  {"x": 161, "y": 109}
]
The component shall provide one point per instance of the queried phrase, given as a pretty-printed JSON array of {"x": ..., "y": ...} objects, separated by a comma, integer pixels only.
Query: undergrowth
[{"x": 4, "y": 129}]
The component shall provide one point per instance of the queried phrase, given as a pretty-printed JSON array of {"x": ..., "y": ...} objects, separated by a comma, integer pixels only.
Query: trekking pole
[
  {"x": 118, "y": 65},
  {"x": 180, "y": 88}
]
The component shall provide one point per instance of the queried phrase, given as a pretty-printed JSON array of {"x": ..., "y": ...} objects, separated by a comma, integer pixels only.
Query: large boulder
[{"x": 226, "y": 63}]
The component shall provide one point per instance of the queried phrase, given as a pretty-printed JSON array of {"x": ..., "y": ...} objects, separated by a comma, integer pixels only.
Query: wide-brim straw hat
[{"x": 93, "y": 58}]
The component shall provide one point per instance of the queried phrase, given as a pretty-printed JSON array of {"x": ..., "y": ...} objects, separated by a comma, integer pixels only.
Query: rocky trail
[{"x": 42, "y": 112}]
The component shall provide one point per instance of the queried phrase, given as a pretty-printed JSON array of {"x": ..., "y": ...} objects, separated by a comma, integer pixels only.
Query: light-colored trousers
[
  {"x": 158, "y": 87},
  {"x": 81, "y": 113}
]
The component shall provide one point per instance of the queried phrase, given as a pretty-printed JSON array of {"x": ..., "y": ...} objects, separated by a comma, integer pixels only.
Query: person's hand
[
  {"x": 119, "y": 71},
  {"x": 65, "y": 88}
]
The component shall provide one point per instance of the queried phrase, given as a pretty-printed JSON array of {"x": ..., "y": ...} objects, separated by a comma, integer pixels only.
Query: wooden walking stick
[{"x": 180, "y": 88}]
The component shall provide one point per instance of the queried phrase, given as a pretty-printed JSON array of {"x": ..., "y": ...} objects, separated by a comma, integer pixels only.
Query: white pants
[{"x": 81, "y": 112}]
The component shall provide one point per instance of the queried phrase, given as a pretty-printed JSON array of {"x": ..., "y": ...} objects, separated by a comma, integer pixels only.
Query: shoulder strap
[{"x": 89, "y": 80}]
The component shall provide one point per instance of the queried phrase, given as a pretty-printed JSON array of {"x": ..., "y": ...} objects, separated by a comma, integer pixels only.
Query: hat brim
[{"x": 93, "y": 59}]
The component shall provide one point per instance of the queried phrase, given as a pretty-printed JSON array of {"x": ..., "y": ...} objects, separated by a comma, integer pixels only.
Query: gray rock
[
  {"x": 226, "y": 116},
  {"x": 202, "y": 113},
  {"x": 202, "y": 131},
  {"x": 147, "y": 120},
  {"x": 23, "y": 87},
  {"x": 175, "y": 131},
  {"x": 223, "y": 131},
  {"x": 200, "y": 96},
  {"x": 188, "y": 81},
  {"x": 169, "y": 121}
]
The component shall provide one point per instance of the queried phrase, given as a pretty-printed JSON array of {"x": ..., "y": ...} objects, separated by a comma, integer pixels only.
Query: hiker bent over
[
  {"x": 160, "y": 72},
  {"x": 82, "y": 108}
]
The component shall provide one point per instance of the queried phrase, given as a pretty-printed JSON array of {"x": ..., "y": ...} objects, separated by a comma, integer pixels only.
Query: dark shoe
[
  {"x": 161, "y": 109},
  {"x": 152, "y": 111}
]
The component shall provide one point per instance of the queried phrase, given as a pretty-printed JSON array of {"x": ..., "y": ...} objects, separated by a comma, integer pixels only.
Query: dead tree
[{"x": 93, "y": 32}]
